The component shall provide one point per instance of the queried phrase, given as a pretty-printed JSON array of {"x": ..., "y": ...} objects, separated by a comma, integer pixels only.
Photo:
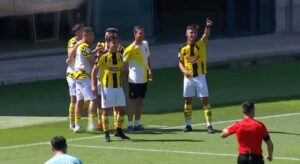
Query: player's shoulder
[
  {"x": 72, "y": 40},
  {"x": 129, "y": 48},
  {"x": 182, "y": 46},
  {"x": 145, "y": 42}
]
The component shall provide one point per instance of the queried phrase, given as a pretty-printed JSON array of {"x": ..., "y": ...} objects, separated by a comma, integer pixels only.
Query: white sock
[
  {"x": 208, "y": 123},
  {"x": 129, "y": 123},
  {"x": 188, "y": 122},
  {"x": 137, "y": 122}
]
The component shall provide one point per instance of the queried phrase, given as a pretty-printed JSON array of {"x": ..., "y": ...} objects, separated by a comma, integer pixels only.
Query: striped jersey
[
  {"x": 194, "y": 58},
  {"x": 83, "y": 67},
  {"x": 111, "y": 66}
]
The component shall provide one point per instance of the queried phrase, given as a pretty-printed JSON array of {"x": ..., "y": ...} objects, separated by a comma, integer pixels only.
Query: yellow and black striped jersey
[
  {"x": 71, "y": 43},
  {"x": 194, "y": 58},
  {"x": 71, "y": 67},
  {"x": 111, "y": 66}
]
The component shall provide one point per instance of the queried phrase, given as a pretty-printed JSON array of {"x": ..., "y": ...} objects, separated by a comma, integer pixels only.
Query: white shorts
[
  {"x": 195, "y": 86},
  {"x": 112, "y": 97},
  {"x": 99, "y": 87},
  {"x": 72, "y": 86},
  {"x": 84, "y": 90}
]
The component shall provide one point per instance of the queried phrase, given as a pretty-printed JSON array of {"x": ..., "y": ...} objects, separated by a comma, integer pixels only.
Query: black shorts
[
  {"x": 254, "y": 159},
  {"x": 137, "y": 90}
]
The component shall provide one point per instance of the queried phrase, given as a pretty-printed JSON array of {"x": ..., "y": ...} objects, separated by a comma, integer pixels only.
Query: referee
[{"x": 250, "y": 133}]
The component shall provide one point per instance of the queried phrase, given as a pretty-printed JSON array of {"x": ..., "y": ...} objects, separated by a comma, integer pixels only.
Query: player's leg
[
  {"x": 131, "y": 106},
  {"x": 202, "y": 92},
  {"x": 188, "y": 94},
  {"x": 140, "y": 92},
  {"x": 78, "y": 107},
  {"x": 88, "y": 95},
  {"x": 105, "y": 123},
  {"x": 72, "y": 92},
  {"x": 119, "y": 103},
  {"x": 116, "y": 115},
  {"x": 99, "y": 108}
]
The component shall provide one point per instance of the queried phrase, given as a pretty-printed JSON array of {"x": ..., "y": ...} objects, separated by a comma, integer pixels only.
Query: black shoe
[
  {"x": 188, "y": 128},
  {"x": 119, "y": 133},
  {"x": 107, "y": 137},
  {"x": 210, "y": 129},
  {"x": 139, "y": 128}
]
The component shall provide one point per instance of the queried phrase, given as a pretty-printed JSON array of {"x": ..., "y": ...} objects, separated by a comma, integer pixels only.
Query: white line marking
[
  {"x": 48, "y": 143},
  {"x": 174, "y": 127},
  {"x": 229, "y": 121},
  {"x": 173, "y": 151}
]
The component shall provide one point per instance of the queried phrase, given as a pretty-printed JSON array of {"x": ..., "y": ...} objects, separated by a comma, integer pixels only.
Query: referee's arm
[
  {"x": 225, "y": 133},
  {"x": 270, "y": 147}
]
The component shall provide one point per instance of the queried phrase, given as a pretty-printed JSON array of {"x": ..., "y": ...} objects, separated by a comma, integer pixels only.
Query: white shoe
[
  {"x": 72, "y": 127},
  {"x": 76, "y": 128}
]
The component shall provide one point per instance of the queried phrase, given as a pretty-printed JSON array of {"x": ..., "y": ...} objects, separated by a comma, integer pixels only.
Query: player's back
[{"x": 64, "y": 159}]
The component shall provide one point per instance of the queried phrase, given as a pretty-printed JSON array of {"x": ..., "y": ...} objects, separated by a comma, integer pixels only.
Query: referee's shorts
[
  {"x": 250, "y": 159},
  {"x": 137, "y": 90}
]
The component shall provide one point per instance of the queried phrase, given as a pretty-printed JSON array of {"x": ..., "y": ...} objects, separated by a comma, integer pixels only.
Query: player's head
[
  {"x": 109, "y": 32},
  {"x": 59, "y": 143},
  {"x": 248, "y": 108},
  {"x": 77, "y": 30},
  {"x": 112, "y": 42},
  {"x": 192, "y": 32},
  {"x": 139, "y": 34},
  {"x": 88, "y": 34}
]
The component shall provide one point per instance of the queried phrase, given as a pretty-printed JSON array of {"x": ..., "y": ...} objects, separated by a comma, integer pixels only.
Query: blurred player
[
  {"x": 72, "y": 44},
  {"x": 59, "y": 147},
  {"x": 137, "y": 56},
  {"x": 192, "y": 63},
  {"x": 112, "y": 95},
  {"x": 103, "y": 46},
  {"x": 83, "y": 67}
]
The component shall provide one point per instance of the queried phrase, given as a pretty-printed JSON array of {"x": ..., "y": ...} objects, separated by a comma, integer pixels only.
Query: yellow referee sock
[
  {"x": 72, "y": 114},
  {"x": 188, "y": 114},
  {"x": 77, "y": 119},
  {"x": 207, "y": 114},
  {"x": 105, "y": 123}
]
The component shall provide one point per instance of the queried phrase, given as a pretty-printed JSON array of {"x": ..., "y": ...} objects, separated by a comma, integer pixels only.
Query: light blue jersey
[{"x": 63, "y": 159}]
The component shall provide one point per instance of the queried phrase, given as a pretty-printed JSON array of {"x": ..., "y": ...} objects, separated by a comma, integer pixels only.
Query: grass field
[{"x": 275, "y": 88}]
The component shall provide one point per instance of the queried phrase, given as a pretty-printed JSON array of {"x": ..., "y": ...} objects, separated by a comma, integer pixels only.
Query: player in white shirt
[
  {"x": 83, "y": 67},
  {"x": 137, "y": 57}
]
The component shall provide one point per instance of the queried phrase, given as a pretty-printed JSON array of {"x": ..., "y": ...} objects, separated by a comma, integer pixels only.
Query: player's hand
[
  {"x": 68, "y": 61},
  {"x": 150, "y": 76},
  {"x": 95, "y": 90},
  {"x": 186, "y": 73},
  {"x": 269, "y": 158},
  {"x": 209, "y": 23}
]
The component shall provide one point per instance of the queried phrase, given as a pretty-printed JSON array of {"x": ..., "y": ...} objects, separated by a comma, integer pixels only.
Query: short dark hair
[
  {"x": 136, "y": 28},
  {"x": 76, "y": 27},
  {"x": 112, "y": 30},
  {"x": 86, "y": 30},
  {"x": 192, "y": 27},
  {"x": 248, "y": 107},
  {"x": 59, "y": 143}
]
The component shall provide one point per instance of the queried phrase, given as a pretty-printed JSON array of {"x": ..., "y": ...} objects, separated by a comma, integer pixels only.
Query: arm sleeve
[{"x": 233, "y": 128}]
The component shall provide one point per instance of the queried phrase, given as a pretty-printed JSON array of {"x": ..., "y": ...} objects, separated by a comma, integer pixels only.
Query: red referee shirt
[{"x": 249, "y": 133}]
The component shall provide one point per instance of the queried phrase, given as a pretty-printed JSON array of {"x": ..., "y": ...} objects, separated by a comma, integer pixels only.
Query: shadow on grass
[
  {"x": 166, "y": 140},
  {"x": 286, "y": 133},
  {"x": 170, "y": 131}
]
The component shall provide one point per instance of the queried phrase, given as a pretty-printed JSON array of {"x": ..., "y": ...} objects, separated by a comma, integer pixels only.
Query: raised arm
[{"x": 206, "y": 33}]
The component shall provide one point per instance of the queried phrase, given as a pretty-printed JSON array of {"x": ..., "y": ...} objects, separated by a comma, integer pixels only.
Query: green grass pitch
[{"x": 274, "y": 87}]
